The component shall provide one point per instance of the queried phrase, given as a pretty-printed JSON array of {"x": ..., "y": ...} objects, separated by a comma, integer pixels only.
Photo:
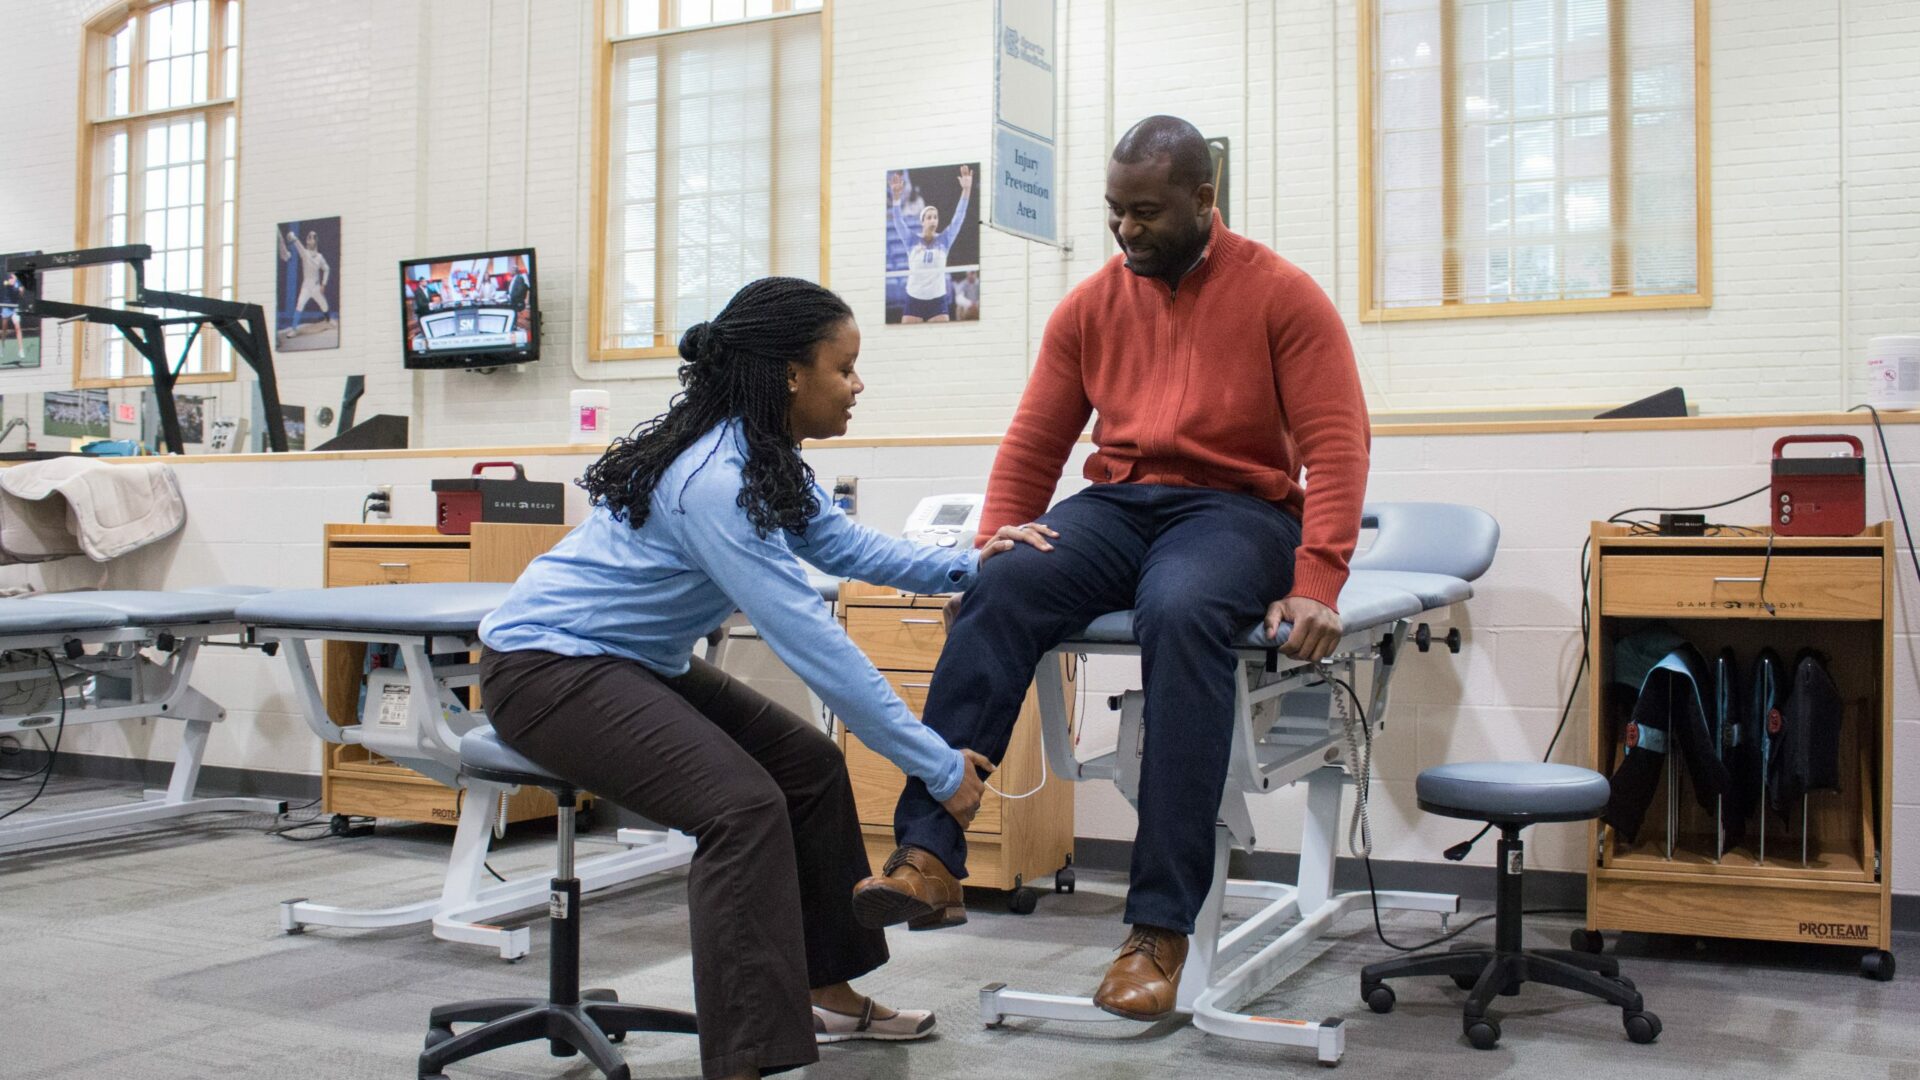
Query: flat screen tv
[{"x": 470, "y": 311}]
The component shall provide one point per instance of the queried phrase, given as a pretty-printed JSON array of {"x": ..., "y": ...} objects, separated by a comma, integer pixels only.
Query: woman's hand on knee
[{"x": 1032, "y": 533}]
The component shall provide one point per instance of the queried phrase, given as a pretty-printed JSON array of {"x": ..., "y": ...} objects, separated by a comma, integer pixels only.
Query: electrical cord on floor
[
  {"x": 1365, "y": 851},
  {"x": 53, "y": 752},
  {"x": 45, "y": 748}
]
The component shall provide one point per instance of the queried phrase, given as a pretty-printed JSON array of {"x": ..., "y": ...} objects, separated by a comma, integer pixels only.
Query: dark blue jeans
[{"x": 1197, "y": 567}]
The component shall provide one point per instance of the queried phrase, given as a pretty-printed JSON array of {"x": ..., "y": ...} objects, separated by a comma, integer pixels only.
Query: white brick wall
[{"x": 435, "y": 129}]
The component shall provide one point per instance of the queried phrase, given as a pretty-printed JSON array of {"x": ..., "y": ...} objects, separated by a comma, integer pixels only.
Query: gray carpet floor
[{"x": 156, "y": 953}]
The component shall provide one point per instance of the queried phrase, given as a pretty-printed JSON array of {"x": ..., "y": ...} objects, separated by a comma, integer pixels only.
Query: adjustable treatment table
[
  {"x": 98, "y": 664},
  {"x": 1291, "y": 723},
  {"x": 424, "y": 734}
]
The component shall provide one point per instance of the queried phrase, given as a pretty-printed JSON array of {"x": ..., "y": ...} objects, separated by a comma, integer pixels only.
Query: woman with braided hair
[{"x": 589, "y": 671}]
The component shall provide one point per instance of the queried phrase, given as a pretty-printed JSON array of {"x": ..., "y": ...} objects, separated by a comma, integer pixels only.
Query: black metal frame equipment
[{"x": 243, "y": 325}]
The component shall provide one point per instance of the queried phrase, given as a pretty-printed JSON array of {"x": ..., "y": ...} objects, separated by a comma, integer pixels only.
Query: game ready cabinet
[{"x": 1820, "y": 871}]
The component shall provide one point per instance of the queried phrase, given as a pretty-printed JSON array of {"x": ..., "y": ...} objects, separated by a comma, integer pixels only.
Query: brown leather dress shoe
[
  {"x": 1144, "y": 981},
  {"x": 915, "y": 888}
]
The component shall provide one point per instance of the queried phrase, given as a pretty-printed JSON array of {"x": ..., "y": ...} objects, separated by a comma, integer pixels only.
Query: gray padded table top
[
  {"x": 1512, "y": 790},
  {"x": 33, "y": 615},
  {"x": 154, "y": 608},
  {"x": 1364, "y": 602},
  {"x": 1434, "y": 590},
  {"x": 482, "y": 754},
  {"x": 454, "y": 607}
]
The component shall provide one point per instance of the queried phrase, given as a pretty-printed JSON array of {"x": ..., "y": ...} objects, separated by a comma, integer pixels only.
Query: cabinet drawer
[
  {"x": 877, "y": 783},
  {"x": 1728, "y": 586},
  {"x": 901, "y": 639},
  {"x": 396, "y": 565}
]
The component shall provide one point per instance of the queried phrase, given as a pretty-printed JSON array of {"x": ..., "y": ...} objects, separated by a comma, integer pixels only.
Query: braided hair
[{"x": 735, "y": 369}]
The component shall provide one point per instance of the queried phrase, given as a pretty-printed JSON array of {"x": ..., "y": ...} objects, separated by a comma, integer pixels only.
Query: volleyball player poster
[{"x": 933, "y": 244}]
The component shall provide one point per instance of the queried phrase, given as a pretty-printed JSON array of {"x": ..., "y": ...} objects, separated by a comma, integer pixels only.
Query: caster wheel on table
[
  {"x": 1642, "y": 1027},
  {"x": 1023, "y": 900},
  {"x": 1587, "y": 941}
]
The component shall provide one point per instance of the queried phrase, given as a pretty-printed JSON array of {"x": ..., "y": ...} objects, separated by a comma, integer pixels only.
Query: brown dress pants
[{"x": 765, "y": 794}]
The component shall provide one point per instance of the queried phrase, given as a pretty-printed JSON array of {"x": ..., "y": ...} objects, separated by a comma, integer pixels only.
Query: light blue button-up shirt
[{"x": 649, "y": 593}]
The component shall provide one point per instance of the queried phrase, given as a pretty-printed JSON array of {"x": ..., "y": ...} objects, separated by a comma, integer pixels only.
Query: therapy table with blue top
[
  {"x": 99, "y": 657},
  {"x": 413, "y": 717},
  {"x": 1292, "y": 722}
]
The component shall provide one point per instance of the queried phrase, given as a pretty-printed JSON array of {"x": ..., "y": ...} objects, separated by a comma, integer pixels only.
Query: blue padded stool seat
[
  {"x": 1512, "y": 791},
  {"x": 569, "y": 1019},
  {"x": 484, "y": 756}
]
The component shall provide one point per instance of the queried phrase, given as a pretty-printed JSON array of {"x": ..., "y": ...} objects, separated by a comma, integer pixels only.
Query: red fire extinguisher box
[{"x": 461, "y": 502}]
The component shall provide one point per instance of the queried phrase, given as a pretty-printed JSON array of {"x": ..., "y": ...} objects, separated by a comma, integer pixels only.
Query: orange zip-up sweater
[{"x": 1235, "y": 381}]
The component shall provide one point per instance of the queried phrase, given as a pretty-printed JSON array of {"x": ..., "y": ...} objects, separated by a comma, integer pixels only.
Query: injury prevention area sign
[{"x": 1024, "y": 77}]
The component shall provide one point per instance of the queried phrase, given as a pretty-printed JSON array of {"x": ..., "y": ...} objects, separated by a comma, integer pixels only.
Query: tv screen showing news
[{"x": 470, "y": 310}]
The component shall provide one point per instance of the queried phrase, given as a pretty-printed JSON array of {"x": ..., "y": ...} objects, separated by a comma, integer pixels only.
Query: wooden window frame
[
  {"x": 664, "y": 347},
  {"x": 1618, "y": 188},
  {"x": 94, "y": 123}
]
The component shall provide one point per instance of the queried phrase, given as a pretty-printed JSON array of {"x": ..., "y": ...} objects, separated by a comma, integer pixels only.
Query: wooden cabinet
[
  {"x": 1012, "y": 841},
  {"x": 355, "y": 781},
  {"x": 1820, "y": 873}
]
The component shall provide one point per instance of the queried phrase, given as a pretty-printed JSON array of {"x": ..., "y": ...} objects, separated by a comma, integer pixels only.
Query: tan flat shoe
[{"x": 903, "y": 1025}]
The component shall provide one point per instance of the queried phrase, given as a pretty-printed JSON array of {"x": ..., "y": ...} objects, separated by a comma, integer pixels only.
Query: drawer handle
[
  {"x": 921, "y": 622},
  {"x": 916, "y": 686},
  {"x": 1756, "y": 579}
]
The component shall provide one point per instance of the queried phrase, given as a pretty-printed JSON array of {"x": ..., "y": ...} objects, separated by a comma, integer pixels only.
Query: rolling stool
[
  {"x": 1511, "y": 796},
  {"x": 573, "y": 1021}
]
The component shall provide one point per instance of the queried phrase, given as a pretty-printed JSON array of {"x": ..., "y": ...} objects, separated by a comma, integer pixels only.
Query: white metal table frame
[
  {"x": 429, "y": 743},
  {"x": 1289, "y": 726},
  {"x": 117, "y": 681}
]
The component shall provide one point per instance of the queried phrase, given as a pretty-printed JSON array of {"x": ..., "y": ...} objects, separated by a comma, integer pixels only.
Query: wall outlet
[{"x": 846, "y": 494}]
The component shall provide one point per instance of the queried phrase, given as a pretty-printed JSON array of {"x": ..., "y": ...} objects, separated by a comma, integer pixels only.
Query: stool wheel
[
  {"x": 1642, "y": 1027},
  {"x": 1587, "y": 941},
  {"x": 1379, "y": 997},
  {"x": 438, "y": 1035},
  {"x": 1877, "y": 964},
  {"x": 1483, "y": 1032}
]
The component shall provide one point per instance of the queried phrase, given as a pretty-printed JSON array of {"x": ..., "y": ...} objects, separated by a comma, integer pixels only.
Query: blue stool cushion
[
  {"x": 454, "y": 608},
  {"x": 1518, "y": 791},
  {"x": 483, "y": 755},
  {"x": 22, "y": 615}
]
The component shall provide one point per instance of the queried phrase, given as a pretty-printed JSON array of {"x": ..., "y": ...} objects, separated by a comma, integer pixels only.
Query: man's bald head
[{"x": 1169, "y": 137}]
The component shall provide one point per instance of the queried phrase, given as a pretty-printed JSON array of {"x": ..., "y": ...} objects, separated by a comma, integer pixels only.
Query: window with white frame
[
  {"x": 711, "y": 172},
  {"x": 1532, "y": 156},
  {"x": 161, "y": 83}
]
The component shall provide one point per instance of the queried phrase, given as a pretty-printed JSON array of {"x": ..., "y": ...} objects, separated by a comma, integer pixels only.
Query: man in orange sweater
[{"x": 1218, "y": 371}]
